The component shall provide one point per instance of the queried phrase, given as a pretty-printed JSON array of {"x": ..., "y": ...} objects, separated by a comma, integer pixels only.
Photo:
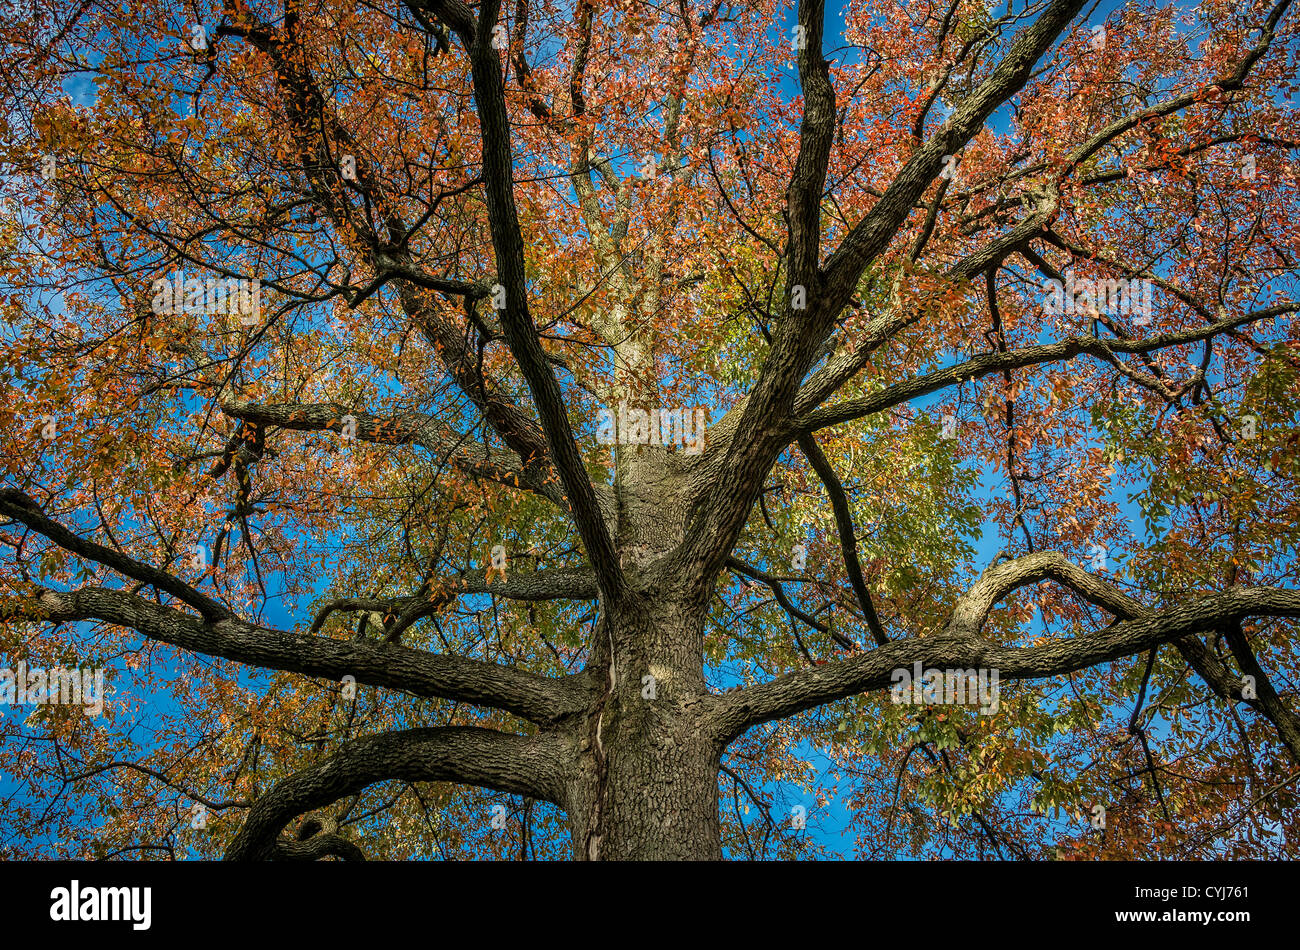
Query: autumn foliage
[{"x": 340, "y": 461}]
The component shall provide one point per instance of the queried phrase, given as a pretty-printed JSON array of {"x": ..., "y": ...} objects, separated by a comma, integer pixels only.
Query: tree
[{"x": 489, "y": 430}]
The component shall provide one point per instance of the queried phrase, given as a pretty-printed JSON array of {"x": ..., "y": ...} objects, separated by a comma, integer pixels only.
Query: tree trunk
[{"x": 647, "y": 787}]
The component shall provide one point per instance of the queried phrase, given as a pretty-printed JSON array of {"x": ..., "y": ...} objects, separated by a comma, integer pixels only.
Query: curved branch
[
  {"x": 162, "y": 777},
  {"x": 534, "y": 766},
  {"x": 998, "y": 580},
  {"x": 320, "y": 846}
]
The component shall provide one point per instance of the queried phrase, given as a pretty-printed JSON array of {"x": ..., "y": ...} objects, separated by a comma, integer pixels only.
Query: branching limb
[
  {"x": 415, "y": 428},
  {"x": 532, "y": 697},
  {"x": 774, "y": 584},
  {"x": 794, "y": 692},
  {"x": 1233, "y": 81},
  {"x": 873, "y": 233},
  {"x": 762, "y": 430},
  {"x": 987, "y": 363},
  {"x": 18, "y": 506},
  {"x": 542, "y": 585},
  {"x": 1000, "y": 579},
  {"x": 844, "y": 365},
  {"x": 516, "y": 322}
]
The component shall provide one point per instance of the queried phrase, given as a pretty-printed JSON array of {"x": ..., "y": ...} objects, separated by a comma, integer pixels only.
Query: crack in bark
[{"x": 595, "y": 831}]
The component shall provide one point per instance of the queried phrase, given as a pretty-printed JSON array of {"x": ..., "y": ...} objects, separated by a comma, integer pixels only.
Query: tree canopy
[{"x": 552, "y": 429}]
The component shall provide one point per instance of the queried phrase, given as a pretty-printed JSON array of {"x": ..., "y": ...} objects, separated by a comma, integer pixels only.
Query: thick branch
[
  {"x": 521, "y": 334},
  {"x": 18, "y": 506},
  {"x": 762, "y": 431},
  {"x": 806, "y": 689},
  {"x": 844, "y": 365},
  {"x": 532, "y": 766},
  {"x": 816, "y": 135},
  {"x": 1000, "y": 579},
  {"x": 539, "y": 586},
  {"x": 527, "y": 695}
]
